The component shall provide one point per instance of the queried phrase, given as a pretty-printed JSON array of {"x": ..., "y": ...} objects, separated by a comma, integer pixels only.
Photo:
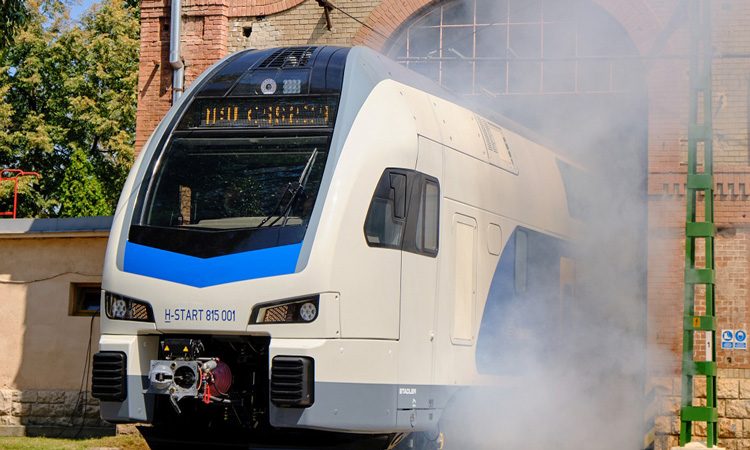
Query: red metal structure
[{"x": 16, "y": 174}]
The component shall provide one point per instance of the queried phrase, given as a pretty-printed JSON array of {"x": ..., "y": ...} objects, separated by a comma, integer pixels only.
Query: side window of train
[
  {"x": 521, "y": 260},
  {"x": 386, "y": 217},
  {"x": 404, "y": 212},
  {"x": 426, "y": 240}
]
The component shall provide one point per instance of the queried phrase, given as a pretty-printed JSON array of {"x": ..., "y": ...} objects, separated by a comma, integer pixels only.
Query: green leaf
[{"x": 68, "y": 104}]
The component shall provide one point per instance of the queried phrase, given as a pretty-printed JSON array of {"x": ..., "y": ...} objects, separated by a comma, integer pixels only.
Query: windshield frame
[{"x": 211, "y": 242}]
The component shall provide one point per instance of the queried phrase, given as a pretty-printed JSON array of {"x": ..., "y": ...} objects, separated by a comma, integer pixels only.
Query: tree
[
  {"x": 13, "y": 14},
  {"x": 82, "y": 193},
  {"x": 68, "y": 103}
]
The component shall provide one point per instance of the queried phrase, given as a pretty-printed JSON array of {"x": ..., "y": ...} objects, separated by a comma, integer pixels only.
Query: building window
[
  {"x": 512, "y": 47},
  {"x": 85, "y": 299}
]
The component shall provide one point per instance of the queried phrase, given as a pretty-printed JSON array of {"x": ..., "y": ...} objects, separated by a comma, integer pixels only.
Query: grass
[{"x": 123, "y": 442}]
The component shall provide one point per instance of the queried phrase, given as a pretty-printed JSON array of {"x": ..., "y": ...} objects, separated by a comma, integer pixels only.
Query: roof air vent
[{"x": 287, "y": 58}]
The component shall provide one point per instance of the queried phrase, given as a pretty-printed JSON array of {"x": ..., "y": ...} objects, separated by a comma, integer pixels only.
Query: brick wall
[
  {"x": 666, "y": 185},
  {"x": 302, "y": 25},
  {"x": 212, "y": 29},
  {"x": 154, "y": 74}
]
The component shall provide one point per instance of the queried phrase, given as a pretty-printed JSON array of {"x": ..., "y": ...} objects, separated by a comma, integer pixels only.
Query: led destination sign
[{"x": 260, "y": 113}]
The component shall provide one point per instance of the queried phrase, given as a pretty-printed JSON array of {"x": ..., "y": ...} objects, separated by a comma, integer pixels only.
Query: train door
[{"x": 419, "y": 269}]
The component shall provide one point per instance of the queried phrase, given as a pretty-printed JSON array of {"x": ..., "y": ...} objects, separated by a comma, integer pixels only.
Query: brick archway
[{"x": 638, "y": 19}]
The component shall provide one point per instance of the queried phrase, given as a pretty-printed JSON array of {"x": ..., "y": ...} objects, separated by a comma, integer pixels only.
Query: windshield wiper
[{"x": 295, "y": 189}]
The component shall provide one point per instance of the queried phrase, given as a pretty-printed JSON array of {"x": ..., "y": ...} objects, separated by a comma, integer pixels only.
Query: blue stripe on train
[{"x": 203, "y": 272}]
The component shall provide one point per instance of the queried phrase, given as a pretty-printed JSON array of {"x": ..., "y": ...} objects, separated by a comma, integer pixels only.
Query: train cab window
[
  {"x": 239, "y": 192},
  {"x": 404, "y": 212},
  {"x": 386, "y": 217},
  {"x": 427, "y": 221}
]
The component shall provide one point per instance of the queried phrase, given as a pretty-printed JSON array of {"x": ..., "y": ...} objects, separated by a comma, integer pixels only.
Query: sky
[{"x": 78, "y": 7}]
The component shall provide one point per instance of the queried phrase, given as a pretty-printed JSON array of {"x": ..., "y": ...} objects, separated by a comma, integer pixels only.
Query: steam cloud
[{"x": 579, "y": 383}]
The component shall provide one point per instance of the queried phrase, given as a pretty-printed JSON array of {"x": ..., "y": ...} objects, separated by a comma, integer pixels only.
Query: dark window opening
[
  {"x": 404, "y": 213},
  {"x": 85, "y": 299},
  {"x": 237, "y": 183},
  {"x": 387, "y": 215},
  {"x": 232, "y": 193},
  {"x": 521, "y": 261},
  {"x": 428, "y": 219}
]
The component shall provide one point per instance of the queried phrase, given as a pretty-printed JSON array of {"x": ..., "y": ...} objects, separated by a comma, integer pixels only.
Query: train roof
[
  {"x": 382, "y": 68},
  {"x": 321, "y": 70}
]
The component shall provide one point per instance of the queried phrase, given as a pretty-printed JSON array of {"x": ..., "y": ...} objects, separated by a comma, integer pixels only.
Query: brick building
[{"x": 553, "y": 65}]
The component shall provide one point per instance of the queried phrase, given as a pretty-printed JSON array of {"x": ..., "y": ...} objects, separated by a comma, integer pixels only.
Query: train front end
[{"x": 236, "y": 290}]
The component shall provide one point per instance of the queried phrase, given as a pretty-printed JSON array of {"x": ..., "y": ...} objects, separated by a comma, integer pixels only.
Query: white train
[{"x": 319, "y": 239}]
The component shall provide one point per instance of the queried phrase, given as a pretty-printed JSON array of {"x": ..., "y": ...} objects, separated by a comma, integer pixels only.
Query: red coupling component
[
  {"x": 221, "y": 377},
  {"x": 207, "y": 393}
]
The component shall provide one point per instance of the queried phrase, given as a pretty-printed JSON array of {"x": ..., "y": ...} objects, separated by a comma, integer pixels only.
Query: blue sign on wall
[
  {"x": 740, "y": 339},
  {"x": 727, "y": 339},
  {"x": 734, "y": 339}
]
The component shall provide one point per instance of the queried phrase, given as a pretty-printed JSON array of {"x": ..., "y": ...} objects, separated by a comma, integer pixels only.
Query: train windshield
[{"x": 231, "y": 194}]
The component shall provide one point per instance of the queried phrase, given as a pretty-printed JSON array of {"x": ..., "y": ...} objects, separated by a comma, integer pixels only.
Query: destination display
[{"x": 260, "y": 113}]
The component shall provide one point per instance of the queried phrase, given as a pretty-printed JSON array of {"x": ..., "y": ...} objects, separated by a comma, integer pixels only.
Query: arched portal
[
  {"x": 551, "y": 65},
  {"x": 570, "y": 73}
]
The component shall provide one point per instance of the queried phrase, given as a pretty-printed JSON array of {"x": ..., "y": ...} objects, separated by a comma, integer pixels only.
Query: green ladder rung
[
  {"x": 699, "y": 323},
  {"x": 699, "y": 414},
  {"x": 699, "y": 132},
  {"x": 700, "y": 229},
  {"x": 707, "y": 368},
  {"x": 700, "y": 181},
  {"x": 699, "y": 276},
  {"x": 700, "y": 84}
]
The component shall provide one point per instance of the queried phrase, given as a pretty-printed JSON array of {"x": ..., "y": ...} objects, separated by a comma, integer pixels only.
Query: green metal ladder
[{"x": 700, "y": 131}]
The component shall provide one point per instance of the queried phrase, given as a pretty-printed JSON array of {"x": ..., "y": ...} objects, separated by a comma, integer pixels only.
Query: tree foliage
[
  {"x": 13, "y": 14},
  {"x": 67, "y": 108}
]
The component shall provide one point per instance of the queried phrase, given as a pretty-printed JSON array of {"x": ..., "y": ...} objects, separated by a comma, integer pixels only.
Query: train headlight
[
  {"x": 301, "y": 310},
  {"x": 118, "y": 307},
  {"x": 292, "y": 86},
  {"x": 308, "y": 311}
]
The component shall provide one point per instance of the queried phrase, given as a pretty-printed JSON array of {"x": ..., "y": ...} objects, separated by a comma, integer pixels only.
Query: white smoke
[{"x": 580, "y": 384}]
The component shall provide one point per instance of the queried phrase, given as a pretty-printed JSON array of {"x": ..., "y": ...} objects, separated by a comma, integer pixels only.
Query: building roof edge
[{"x": 53, "y": 226}]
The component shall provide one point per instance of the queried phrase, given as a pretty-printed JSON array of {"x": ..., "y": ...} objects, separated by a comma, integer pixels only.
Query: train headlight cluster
[
  {"x": 308, "y": 311},
  {"x": 118, "y": 307},
  {"x": 292, "y": 86},
  {"x": 301, "y": 310}
]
